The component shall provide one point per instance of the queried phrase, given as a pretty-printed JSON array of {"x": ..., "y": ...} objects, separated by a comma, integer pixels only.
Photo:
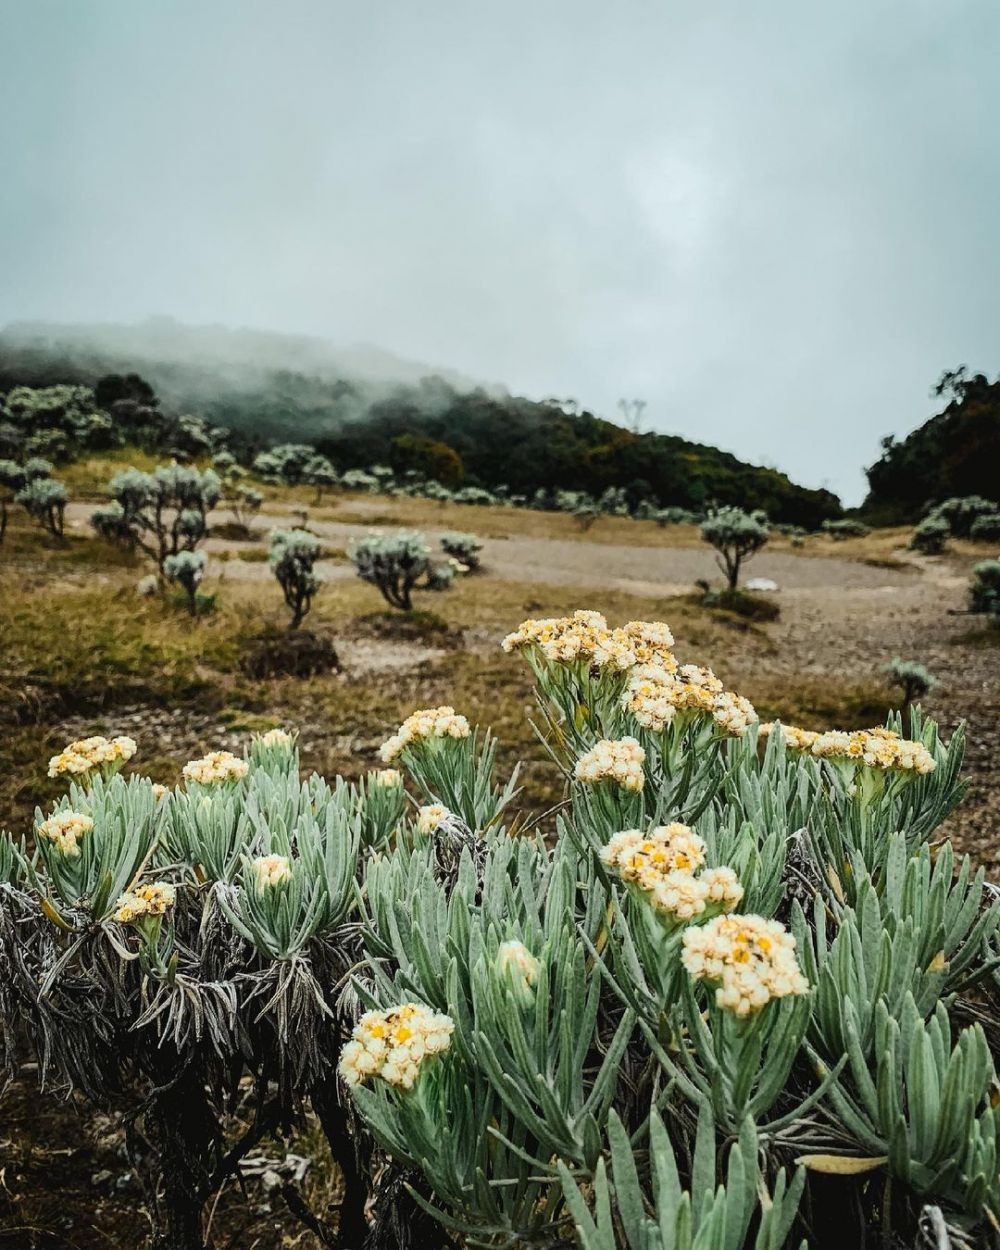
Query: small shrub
[
  {"x": 984, "y": 592},
  {"x": 464, "y": 548},
  {"x": 930, "y": 536},
  {"x": 165, "y": 511},
  {"x": 186, "y": 568},
  {"x": 394, "y": 563},
  {"x": 319, "y": 472},
  {"x": 292, "y": 557},
  {"x": 675, "y": 516},
  {"x": 111, "y": 524},
  {"x": 441, "y": 575},
  {"x": 244, "y": 503},
  {"x": 961, "y": 512},
  {"x": 912, "y": 678},
  {"x": 45, "y": 499},
  {"x": 736, "y": 536},
  {"x": 986, "y": 528},
  {"x": 846, "y": 527}
]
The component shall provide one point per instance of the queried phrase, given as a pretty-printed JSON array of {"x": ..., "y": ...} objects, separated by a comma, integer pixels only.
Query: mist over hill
[{"x": 357, "y": 403}]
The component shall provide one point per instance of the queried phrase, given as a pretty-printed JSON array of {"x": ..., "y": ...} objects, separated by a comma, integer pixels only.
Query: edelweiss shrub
[
  {"x": 736, "y": 536},
  {"x": 163, "y": 513},
  {"x": 733, "y": 957},
  {"x": 394, "y": 563},
  {"x": 931, "y": 535},
  {"x": 187, "y": 568},
  {"x": 45, "y": 499},
  {"x": 961, "y": 513},
  {"x": 293, "y": 557},
  {"x": 986, "y": 528},
  {"x": 984, "y": 591},
  {"x": 464, "y": 548}
]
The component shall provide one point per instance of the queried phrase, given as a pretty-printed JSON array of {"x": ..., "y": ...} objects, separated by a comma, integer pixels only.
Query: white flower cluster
[
  {"x": 145, "y": 900},
  {"x": 585, "y": 637},
  {"x": 875, "y": 748},
  {"x": 64, "y": 830},
  {"x": 81, "y": 757},
  {"x": 618, "y": 760},
  {"x": 277, "y": 738},
  {"x": 517, "y": 965},
  {"x": 388, "y": 778},
  {"x": 435, "y": 722},
  {"x": 430, "y": 816},
  {"x": 217, "y": 766},
  {"x": 664, "y": 864},
  {"x": 750, "y": 960},
  {"x": 393, "y": 1044},
  {"x": 654, "y": 696},
  {"x": 271, "y": 870}
]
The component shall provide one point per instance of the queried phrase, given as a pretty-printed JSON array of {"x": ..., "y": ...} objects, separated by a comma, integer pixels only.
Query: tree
[
  {"x": 292, "y": 558},
  {"x": 736, "y": 536},
  {"x": 45, "y": 499},
  {"x": 430, "y": 457},
  {"x": 165, "y": 511},
  {"x": 394, "y": 563}
]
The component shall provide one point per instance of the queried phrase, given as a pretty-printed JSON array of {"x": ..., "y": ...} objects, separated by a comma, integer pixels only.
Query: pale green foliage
[
  {"x": 984, "y": 592},
  {"x": 912, "y": 677},
  {"x": 462, "y": 547},
  {"x": 394, "y": 563},
  {"x": 285, "y": 463},
  {"x": 164, "y": 512},
  {"x": 846, "y": 527},
  {"x": 931, "y": 535},
  {"x": 292, "y": 557},
  {"x": 45, "y": 499},
  {"x": 961, "y": 512},
  {"x": 186, "y": 568},
  {"x": 986, "y": 528},
  {"x": 736, "y": 536},
  {"x": 588, "y": 1090}
]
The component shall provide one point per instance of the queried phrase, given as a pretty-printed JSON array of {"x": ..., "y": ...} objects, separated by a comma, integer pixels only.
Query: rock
[{"x": 761, "y": 583}]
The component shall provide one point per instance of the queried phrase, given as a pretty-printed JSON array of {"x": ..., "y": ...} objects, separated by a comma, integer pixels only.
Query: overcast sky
[{"x": 777, "y": 222}]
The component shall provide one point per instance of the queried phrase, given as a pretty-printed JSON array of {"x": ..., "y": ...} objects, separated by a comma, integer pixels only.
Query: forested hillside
[
  {"x": 363, "y": 407},
  {"x": 955, "y": 453}
]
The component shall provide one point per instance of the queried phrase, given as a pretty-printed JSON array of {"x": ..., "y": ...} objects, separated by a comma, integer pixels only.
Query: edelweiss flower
[
  {"x": 656, "y": 695},
  {"x": 610, "y": 760},
  {"x": 394, "y": 1044},
  {"x": 217, "y": 766},
  {"x": 146, "y": 900},
  {"x": 663, "y": 865},
  {"x": 387, "y": 777},
  {"x": 585, "y": 638},
  {"x": 430, "y": 816},
  {"x": 750, "y": 960},
  {"x": 277, "y": 738},
  {"x": 64, "y": 830},
  {"x": 517, "y": 965},
  {"x": 435, "y": 722},
  {"x": 79, "y": 758},
  {"x": 271, "y": 871},
  {"x": 795, "y": 739}
]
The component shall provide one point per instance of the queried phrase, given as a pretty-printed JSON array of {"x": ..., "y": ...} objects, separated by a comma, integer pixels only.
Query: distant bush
[
  {"x": 912, "y": 678},
  {"x": 45, "y": 499},
  {"x": 675, "y": 516},
  {"x": 164, "y": 512},
  {"x": 292, "y": 557},
  {"x": 244, "y": 503},
  {"x": 736, "y": 536},
  {"x": 464, "y": 548},
  {"x": 285, "y": 464},
  {"x": 319, "y": 472},
  {"x": 186, "y": 568},
  {"x": 394, "y": 563},
  {"x": 930, "y": 536},
  {"x": 111, "y": 523},
  {"x": 474, "y": 495},
  {"x": 961, "y": 512},
  {"x": 986, "y": 528},
  {"x": 847, "y": 527},
  {"x": 358, "y": 479},
  {"x": 984, "y": 592}
]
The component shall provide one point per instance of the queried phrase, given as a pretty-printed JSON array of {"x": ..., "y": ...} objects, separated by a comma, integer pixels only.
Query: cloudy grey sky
[{"x": 777, "y": 222}]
